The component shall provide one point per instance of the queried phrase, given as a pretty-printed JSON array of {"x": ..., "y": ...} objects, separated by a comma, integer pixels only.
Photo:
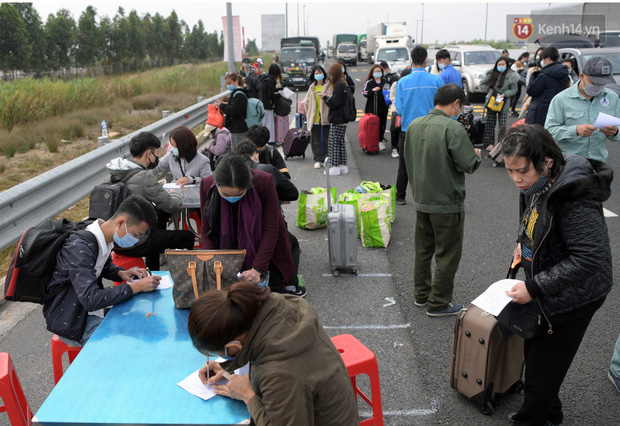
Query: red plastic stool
[
  {"x": 126, "y": 262},
  {"x": 58, "y": 350},
  {"x": 12, "y": 394},
  {"x": 360, "y": 360}
]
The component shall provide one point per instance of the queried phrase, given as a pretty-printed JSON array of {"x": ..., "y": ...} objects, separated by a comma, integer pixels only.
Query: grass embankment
[{"x": 53, "y": 122}]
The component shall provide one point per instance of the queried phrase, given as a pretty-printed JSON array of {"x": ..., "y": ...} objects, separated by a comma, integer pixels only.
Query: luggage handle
[{"x": 329, "y": 198}]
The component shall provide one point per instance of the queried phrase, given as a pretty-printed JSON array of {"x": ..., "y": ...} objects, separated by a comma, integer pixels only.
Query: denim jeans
[{"x": 92, "y": 322}]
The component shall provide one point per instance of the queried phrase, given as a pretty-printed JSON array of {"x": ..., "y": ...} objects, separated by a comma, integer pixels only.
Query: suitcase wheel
[
  {"x": 335, "y": 272},
  {"x": 356, "y": 272},
  {"x": 486, "y": 409},
  {"x": 494, "y": 164},
  {"x": 303, "y": 156}
]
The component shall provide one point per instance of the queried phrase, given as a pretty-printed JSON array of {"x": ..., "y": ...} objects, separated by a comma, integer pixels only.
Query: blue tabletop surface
[{"x": 127, "y": 373}]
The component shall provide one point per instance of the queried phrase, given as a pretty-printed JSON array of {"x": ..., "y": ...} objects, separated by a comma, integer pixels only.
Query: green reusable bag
[
  {"x": 352, "y": 198},
  {"x": 312, "y": 209},
  {"x": 375, "y": 188},
  {"x": 376, "y": 224}
]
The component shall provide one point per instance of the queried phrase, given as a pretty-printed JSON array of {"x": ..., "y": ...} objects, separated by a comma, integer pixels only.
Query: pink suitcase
[{"x": 282, "y": 126}]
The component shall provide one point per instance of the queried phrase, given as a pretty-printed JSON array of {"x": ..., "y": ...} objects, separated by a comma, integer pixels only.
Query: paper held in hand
[
  {"x": 605, "y": 120},
  {"x": 494, "y": 299}
]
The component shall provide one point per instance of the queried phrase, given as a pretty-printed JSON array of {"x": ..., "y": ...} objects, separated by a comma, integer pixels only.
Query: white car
[{"x": 472, "y": 61}]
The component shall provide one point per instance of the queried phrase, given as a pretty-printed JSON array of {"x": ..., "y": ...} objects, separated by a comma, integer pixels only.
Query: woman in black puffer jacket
[{"x": 564, "y": 249}]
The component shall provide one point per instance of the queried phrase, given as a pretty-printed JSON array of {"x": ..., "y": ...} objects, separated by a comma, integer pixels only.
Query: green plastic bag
[
  {"x": 312, "y": 209},
  {"x": 376, "y": 224},
  {"x": 352, "y": 198},
  {"x": 376, "y": 188}
]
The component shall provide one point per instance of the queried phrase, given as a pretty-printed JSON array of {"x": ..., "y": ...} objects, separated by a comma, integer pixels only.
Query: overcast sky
[{"x": 443, "y": 21}]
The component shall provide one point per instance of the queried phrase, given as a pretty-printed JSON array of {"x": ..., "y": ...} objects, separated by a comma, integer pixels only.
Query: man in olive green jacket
[{"x": 438, "y": 153}]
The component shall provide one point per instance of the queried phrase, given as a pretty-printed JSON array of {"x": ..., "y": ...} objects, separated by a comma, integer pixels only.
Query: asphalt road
[{"x": 412, "y": 349}]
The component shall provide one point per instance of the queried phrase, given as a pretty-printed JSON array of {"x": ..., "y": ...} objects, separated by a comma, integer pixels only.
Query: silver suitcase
[{"x": 341, "y": 234}]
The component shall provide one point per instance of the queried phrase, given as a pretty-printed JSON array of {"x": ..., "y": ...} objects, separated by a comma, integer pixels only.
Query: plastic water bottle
[{"x": 104, "y": 129}]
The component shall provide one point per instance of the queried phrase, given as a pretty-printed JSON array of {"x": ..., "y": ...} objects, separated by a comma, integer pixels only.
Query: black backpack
[
  {"x": 34, "y": 259},
  {"x": 108, "y": 196},
  {"x": 349, "y": 112}
]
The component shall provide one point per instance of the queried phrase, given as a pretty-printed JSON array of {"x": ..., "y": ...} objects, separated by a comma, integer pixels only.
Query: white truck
[
  {"x": 382, "y": 29},
  {"x": 395, "y": 50}
]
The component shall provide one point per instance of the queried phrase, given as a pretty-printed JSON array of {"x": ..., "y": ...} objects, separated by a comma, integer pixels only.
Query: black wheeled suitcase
[
  {"x": 341, "y": 234},
  {"x": 487, "y": 360}
]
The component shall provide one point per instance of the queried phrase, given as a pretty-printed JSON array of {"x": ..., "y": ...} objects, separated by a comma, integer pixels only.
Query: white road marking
[
  {"x": 367, "y": 327},
  {"x": 357, "y": 79},
  {"x": 608, "y": 213}
]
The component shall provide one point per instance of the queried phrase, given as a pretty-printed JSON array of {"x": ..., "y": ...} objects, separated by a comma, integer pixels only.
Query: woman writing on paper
[
  {"x": 240, "y": 210},
  {"x": 563, "y": 246},
  {"x": 297, "y": 376}
]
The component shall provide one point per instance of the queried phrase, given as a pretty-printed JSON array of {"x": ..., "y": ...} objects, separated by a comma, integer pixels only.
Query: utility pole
[
  {"x": 230, "y": 39},
  {"x": 286, "y": 19},
  {"x": 422, "y": 30},
  {"x": 298, "y": 20},
  {"x": 486, "y": 21},
  {"x": 305, "y": 20}
]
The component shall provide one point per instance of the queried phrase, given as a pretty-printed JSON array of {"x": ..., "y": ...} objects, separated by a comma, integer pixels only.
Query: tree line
[{"x": 29, "y": 45}]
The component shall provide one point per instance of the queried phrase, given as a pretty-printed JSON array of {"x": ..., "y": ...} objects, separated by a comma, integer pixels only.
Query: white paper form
[
  {"x": 193, "y": 385},
  {"x": 494, "y": 299},
  {"x": 604, "y": 120},
  {"x": 171, "y": 185},
  {"x": 164, "y": 283}
]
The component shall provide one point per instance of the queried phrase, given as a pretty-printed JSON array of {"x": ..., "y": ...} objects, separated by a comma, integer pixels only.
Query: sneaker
[
  {"x": 514, "y": 114},
  {"x": 511, "y": 419},
  {"x": 400, "y": 201},
  {"x": 615, "y": 380},
  {"x": 395, "y": 153},
  {"x": 381, "y": 146},
  {"x": 334, "y": 171},
  {"x": 317, "y": 165},
  {"x": 419, "y": 304},
  {"x": 300, "y": 291},
  {"x": 452, "y": 309},
  {"x": 344, "y": 170}
]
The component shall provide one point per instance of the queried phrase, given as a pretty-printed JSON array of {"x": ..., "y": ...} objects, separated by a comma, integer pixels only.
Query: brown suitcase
[{"x": 486, "y": 362}]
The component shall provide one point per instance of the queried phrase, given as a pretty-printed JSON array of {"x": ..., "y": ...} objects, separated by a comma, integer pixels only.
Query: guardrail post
[
  {"x": 102, "y": 140},
  {"x": 165, "y": 113},
  {"x": 200, "y": 98}
]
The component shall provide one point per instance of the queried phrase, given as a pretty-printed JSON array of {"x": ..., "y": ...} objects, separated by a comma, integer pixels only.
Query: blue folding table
[{"x": 127, "y": 373}]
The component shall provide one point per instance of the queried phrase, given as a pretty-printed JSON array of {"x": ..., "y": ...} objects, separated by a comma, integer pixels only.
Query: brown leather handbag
[{"x": 196, "y": 271}]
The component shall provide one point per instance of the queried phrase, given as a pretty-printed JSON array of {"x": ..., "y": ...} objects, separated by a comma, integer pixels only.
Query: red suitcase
[
  {"x": 368, "y": 133},
  {"x": 296, "y": 142}
]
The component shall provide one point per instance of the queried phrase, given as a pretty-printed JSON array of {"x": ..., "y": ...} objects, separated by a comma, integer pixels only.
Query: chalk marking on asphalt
[
  {"x": 408, "y": 413},
  {"x": 367, "y": 327},
  {"x": 357, "y": 79},
  {"x": 362, "y": 275},
  {"x": 608, "y": 213}
]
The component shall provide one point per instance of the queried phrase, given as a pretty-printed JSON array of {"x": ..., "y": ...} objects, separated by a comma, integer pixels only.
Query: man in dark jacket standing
[{"x": 545, "y": 84}]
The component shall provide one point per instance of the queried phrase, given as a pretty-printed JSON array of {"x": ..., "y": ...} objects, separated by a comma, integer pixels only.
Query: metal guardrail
[{"x": 54, "y": 191}]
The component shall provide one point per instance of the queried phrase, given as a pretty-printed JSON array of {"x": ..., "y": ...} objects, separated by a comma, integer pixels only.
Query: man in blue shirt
[
  {"x": 415, "y": 95},
  {"x": 448, "y": 74}
]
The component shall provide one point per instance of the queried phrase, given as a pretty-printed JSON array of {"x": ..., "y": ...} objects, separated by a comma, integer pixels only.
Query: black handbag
[
  {"x": 282, "y": 106},
  {"x": 522, "y": 319}
]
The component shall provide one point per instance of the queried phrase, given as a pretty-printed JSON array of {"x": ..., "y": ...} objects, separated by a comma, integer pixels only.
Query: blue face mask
[
  {"x": 442, "y": 66},
  {"x": 175, "y": 151},
  {"x": 319, "y": 77},
  {"x": 377, "y": 74},
  {"x": 457, "y": 115},
  {"x": 127, "y": 241},
  {"x": 501, "y": 68},
  {"x": 343, "y": 70},
  {"x": 232, "y": 199},
  {"x": 231, "y": 87}
]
